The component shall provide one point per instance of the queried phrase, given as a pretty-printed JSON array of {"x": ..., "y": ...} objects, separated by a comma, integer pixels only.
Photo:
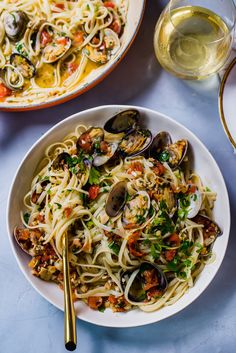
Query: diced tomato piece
[
  {"x": 40, "y": 218},
  {"x": 23, "y": 234},
  {"x": 192, "y": 189},
  {"x": 85, "y": 142},
  {"x": 174, "y": 239},
  {"x": 45, "y": 38},
  {"x": 112, "y": 299},
  {"x": 93, "y": 192},
  {"x": 95, "y": 302},
  {"x": 67, "y": 211},
  {"x": 45, "y": 258},
  {"x": 135, "y": 167},
  {"x": 61, "y": 6},
  {"x": 132, "y": 244},
  {"x": 170, "y": 254},
  {"x": 159, "y": 169},
  {"x": 4, "y": 91},
  {"x": 109, "y": 4},
  {"x": 116, "y": 26},
  {"x": 95, "y": 40},
  {"x": 58, "y": 7},
  {"x": 79, "y": 37},
  {"x": 104, "y": 146},
  {"x": 130, "y": 226},
  {"x": 151, "y": 279},
  {"x": 72, "y": 67},
  {"x": 154, "y": 293},
  {"x": 62, "y": 40}
]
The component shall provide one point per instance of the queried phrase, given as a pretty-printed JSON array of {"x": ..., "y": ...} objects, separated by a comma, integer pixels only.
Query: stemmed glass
[{"x": 193, "y": 38}]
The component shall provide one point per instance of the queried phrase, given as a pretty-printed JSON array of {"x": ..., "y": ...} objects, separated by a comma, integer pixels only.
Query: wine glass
[{"x": 193, "y": 38}]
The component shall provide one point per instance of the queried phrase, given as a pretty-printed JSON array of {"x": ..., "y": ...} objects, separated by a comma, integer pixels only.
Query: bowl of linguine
[{"x": 51, "y": 185}]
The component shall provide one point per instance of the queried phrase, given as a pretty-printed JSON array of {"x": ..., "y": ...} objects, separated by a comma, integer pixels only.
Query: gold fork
[{"x": 69, "y": 312}]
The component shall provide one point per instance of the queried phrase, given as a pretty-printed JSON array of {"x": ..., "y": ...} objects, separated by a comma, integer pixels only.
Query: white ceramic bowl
[
  {"x": 203, "y": 163},
  {"x": 134, "y": 18}
]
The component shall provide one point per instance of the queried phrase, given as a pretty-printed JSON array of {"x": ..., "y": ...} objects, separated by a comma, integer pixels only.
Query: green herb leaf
[
  {"x": 155, "y": 251},
  {"x": 182, "y": 274},
  {"x": 94, "y": 176},
  {"x": 147, "y": 242},
  {"x": 26, "y": 217},
  {"x": 164, "y": 156},
  {"x": 140, "y": 219},
  {"x": 187, "y": 263},
  {"x": 114, "y": 247},
  {"x": 58, "y": 205},
  {"x": 173, "y": 265},
  {"x": 186, "y": 247},
  {"x": 101, "y": 308},
  {"x": 90, "y": 224},
  {"x": 163, "y": 223}
]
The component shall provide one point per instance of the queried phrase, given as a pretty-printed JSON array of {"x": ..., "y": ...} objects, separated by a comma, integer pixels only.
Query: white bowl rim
[
  {"x": 227, "y": 213},
  {"x": 85, "y": 87}
]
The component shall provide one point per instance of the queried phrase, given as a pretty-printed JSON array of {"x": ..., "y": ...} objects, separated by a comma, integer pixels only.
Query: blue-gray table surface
[{"x": 28, "y": 323}]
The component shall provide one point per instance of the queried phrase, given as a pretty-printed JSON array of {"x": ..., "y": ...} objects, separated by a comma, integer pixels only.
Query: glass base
[{"x": 208, "y": 86}]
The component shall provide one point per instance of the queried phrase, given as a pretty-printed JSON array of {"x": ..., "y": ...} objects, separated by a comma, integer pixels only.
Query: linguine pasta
[
  {"x": 48, "y": 47},
  {"x": 69, "y": 197}
]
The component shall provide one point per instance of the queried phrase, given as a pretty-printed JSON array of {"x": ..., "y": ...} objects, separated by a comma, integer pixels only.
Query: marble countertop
[{"x": 27, "y": 322}]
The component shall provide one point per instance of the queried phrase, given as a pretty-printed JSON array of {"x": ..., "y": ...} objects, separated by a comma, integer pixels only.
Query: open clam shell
[
  {"x": 15, "y": 23},
  {"x": 124, "y": 121},
  {"x": 148, "y": 276},
  {"x": 135, "y": 143},
  {"x": 116, "y": 199}
]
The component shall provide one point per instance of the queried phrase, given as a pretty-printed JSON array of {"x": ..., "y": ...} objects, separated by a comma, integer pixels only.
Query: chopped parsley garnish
[
  {"x": 147, "y": 242},
  {"x": 140, "y": 219},
  {"x": 187, "y": 263},
  {"x": 74, "y": 170},
  {"x": 114, "y": 247},
  {"x": 163, "y": 205},
  {"x": 155, "y": 251},
  {"x": 199, "y": 246},
  {"x": 26, "y": 217},
  {"x": 90, "y": 224},
  {"x": 182, "y": 274},
  {"x": 58, "y": 205},
  {"x": 94, "y": 176},
  {"x": 186, "y": 247},
  {"x": 173, "y": 265},
  {"x": 164, "y": 156},
  {"x": 151, "y": 211},
  {"x": 84, "y": 198},
  {"x": 163, "y": 223},
  {"x": 97, "y": 146},
  {"x": 21, "y": 49},
  {"x": 46, "y": 178},
  {"x": 184, "y": 204},
  {"x": 208, "y": 189},
  {"x": 101, "y": 308}
]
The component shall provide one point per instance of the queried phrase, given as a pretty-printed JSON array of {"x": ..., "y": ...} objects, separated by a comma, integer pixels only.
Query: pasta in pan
[
  {"x": 48, "y": 47},
  {"x": 138, "y": 220}
]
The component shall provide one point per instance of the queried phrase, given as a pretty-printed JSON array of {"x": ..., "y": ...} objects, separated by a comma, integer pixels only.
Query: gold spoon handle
[{"x": 69, "y": 316}]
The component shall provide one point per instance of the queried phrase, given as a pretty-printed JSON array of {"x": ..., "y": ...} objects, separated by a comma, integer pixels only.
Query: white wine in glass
[{"x": 193, "y": 42}]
